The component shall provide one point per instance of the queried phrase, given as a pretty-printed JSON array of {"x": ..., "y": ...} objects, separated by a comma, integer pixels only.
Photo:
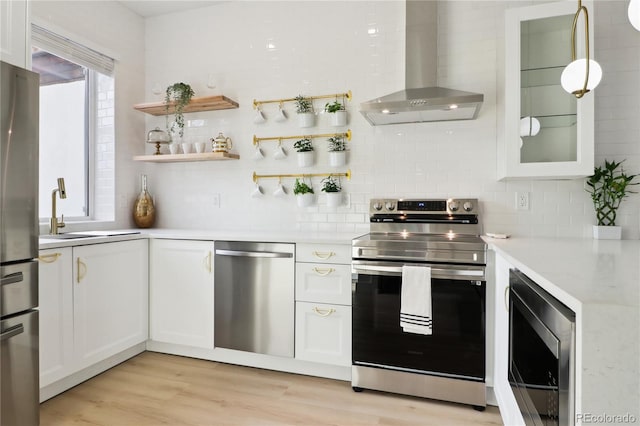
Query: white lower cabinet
[
  {"x": 93, "y": 304},
  {"x": 323, "y": 303},
  {"x": 181, "y": 293},
  {"x": 323, "y": 333},
  {"x": 110, "y": 298},
  {"x": 55, "y": 291}
]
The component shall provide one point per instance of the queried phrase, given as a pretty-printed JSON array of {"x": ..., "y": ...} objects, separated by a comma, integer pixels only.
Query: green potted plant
[
  {"x": 304, "y": 108},
  {"x": 331, "y": 187},
  {"x": 304, "y": 148},
  {"x": 337, "y": 113},
  {"x": 177, "y": 95},
  {"x": 337, "y": 151},
  {"x": 304, "y": 193},
  {"x": 608, "y": 186}
]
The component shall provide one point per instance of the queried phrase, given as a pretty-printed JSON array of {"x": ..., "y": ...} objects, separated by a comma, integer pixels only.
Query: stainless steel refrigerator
[{"x": 19, "y": 375}]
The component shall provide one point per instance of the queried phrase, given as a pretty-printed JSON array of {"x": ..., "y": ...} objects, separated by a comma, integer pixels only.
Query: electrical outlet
[
  {"x": 215, "y": 200},
  {"x": 522, "y": 201}
]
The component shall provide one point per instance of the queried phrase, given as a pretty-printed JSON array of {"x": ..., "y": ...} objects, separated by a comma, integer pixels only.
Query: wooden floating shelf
[
  {"x": 180, "y": 158},
  {"x": 207, "y": 103}
]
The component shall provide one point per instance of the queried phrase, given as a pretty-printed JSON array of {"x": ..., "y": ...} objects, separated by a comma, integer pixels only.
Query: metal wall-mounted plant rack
[
  {"x": 257, "y": 177},
  {"x": 346, "y": 95},
  {"x": 347, "y": 135}
]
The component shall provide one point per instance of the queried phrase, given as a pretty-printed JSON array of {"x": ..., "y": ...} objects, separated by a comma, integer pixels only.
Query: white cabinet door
[
  {"x": 56, "y": 314},
  {"x": 181, "y": 293},
  {"x": 14, "y": 31},
  {"x": 537, "y": 41},
  {"x": 110, "y": 298},
  {"x": 323, "y": 333}
]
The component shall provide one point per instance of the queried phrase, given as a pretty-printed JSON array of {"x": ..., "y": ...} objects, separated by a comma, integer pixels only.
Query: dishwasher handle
[{"x": 248, "y": 253}]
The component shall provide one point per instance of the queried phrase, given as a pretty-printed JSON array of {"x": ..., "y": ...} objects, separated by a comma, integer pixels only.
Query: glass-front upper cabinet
[{"x": 548, "y": 132}]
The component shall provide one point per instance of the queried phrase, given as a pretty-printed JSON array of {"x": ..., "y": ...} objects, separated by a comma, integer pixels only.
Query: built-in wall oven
[
  {"x": 541, "y": 353},
  {"x": 449, "y": 363}
]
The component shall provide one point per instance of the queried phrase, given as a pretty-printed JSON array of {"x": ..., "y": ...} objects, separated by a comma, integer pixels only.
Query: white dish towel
[{"x": 415, "y": 300}]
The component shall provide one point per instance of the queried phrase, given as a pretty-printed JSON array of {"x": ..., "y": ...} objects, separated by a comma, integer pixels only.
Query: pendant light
[
  {"x": 581, "y": 75},
  {"x": 529, "y": 126},
  {"x": 634, "y": 13}
]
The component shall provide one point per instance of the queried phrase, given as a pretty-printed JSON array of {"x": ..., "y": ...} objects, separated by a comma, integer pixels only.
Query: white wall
[
  {"x": 324, "y": 47},
  {"x": 114, "y": 30}
]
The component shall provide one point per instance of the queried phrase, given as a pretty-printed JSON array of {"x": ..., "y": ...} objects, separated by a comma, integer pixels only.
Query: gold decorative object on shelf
[
  {"x": 144, "y": 212},
  {"x": 346, "y": 95},
  {"x": 257, "y": 177},
  {"x": 158, "y": 137},
  {"x": 347, "y": 135}
]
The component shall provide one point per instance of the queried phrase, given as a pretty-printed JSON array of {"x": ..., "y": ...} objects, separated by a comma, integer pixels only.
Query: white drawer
[
  {"x": 323, "y": 333},
  {"x": 323, "y": 283},
  {"x": 324, "y": 253}
]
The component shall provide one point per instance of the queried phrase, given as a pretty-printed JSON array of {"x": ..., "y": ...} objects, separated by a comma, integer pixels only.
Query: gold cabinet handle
[
  {"x": 323, "y": 272},
  {"x": 323, "y": 255},
  {"x": 207, "y": 261},
  {"x": 323, "y": 312},
  {"x": 49, "y": 258},
  {"x": 81, "y": 270}
]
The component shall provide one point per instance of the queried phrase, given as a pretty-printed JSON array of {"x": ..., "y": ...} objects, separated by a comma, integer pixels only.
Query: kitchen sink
[{"x": 68, "y": 236}]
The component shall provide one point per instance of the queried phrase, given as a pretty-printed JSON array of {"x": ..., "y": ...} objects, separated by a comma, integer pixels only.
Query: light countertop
[{"x": 600, "y": 281}]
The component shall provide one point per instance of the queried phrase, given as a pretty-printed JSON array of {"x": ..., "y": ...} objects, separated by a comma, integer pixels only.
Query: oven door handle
[{"x": 435, "y": 272}]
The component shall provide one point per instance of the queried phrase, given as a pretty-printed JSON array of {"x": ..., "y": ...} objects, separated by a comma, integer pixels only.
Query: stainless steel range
[{"x": 441, "y": 237}]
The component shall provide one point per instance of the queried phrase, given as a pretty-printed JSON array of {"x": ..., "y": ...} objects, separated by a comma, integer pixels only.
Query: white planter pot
[
  {"x": 306, "y": 119},
  {"x": 337, "y": 158},
  {"x": 334, "y": 199},
  {"x": 305, "y": 200},
  {"x": 338, "y": 118},
  {"x": 305, "y": 159},
  {"x": 607, "y": 232}
]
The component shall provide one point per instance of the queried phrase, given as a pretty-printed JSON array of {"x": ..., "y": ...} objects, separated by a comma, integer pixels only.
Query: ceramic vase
[
  {"x": 607, "y": 232},
  {"x": 338, "y": 118},
  {"x": 334, "y": 199},
  {"x": 305, "y": 159},
  {"x": 306, "y": 119},
  {"x": 144, "y": 212},
  {"x": 337, "y": 158},
  {"x": 305, "y": 200}
]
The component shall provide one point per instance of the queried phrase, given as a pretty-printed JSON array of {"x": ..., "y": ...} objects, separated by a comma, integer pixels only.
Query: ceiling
[{"x": 148, "y": 8}]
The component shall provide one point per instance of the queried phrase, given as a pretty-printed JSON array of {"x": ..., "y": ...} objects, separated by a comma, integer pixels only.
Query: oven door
[{"x": 456, "y": 347}]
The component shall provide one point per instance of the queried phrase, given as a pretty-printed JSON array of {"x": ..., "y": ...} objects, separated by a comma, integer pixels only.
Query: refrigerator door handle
[
  {"x": 11, "y": 331},
  {"x": 12, "y": 278}
]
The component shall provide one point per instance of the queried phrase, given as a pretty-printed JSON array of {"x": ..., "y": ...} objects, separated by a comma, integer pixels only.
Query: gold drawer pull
[
  {"x": 323, "y": 312},
  {"x": 323, "y": 272},
  {"x": 49, "y": 258},
  {"x": 323, "y": 255}
]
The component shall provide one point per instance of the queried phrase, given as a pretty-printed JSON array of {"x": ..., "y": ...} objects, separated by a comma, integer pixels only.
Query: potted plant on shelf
[
  {"x": 337, "y": 112},
  {"x": 304, "y": 108},
  {"x": 331, "y": 187},
  {"x": 337, "y": 151},
  {"x": 608, "y": 186},
  {"x": 177, "y": 95},
  {"x": 304, "y": 193},
  {"x": 305, "y": 152}
]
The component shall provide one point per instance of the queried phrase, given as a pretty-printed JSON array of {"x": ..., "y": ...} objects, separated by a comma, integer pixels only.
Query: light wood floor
[{"x": 159, "y": 389}]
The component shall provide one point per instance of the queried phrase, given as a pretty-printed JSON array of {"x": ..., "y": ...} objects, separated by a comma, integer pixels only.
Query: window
[{"x": 76, "y": 127}]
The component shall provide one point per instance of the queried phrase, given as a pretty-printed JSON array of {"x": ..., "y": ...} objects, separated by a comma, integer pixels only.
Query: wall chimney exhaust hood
[{"x": 422, "y": 100}]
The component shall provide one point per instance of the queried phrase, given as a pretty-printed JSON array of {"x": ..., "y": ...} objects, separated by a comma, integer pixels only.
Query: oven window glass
[{"x": 457, "y": 345}]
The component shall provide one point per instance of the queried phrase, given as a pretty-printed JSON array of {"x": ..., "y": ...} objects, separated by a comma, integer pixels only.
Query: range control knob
[
  {"x": 390, "y": 206},
  {"x": 467, "y": 206},
  {"x": 454, "y": 206},
  {"x": 377, "y": 205}
]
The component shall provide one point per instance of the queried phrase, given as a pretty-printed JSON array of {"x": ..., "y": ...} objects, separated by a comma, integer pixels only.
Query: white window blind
[{"x": 71, "y": 50}]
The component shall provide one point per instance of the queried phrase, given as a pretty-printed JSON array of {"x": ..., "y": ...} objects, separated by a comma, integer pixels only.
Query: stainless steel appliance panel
[
  {"x": 19, "y": 111},
  {"x": 254, "y": 297},
  {"x": 19, "y": 405},
  {"x": 19, "y": 289}
]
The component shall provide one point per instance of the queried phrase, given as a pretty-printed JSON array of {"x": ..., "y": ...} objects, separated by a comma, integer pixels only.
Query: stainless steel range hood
[{"x": 421, "y": 100}]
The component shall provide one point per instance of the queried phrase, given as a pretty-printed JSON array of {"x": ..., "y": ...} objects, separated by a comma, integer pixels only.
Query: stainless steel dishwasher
[{"x": 254, "y": 297}]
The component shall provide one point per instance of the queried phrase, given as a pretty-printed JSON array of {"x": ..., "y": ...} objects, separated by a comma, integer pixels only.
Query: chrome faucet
[{"x": 55, "y": 224}]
